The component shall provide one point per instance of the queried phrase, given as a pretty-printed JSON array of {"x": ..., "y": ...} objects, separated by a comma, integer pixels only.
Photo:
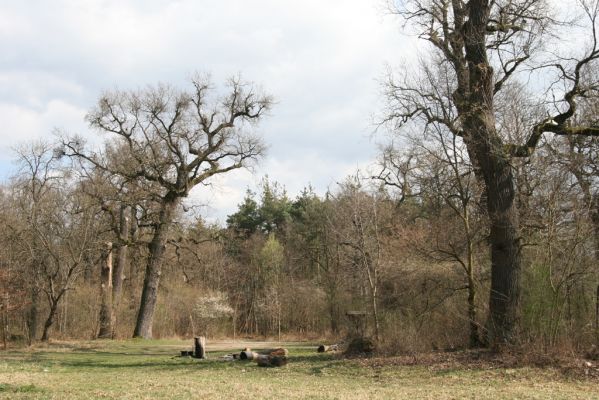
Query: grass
[{"x": 149, "y": 370}]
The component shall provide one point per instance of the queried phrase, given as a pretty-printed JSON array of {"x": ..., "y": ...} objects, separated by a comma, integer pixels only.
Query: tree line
[{"x": 479, "y": 225}]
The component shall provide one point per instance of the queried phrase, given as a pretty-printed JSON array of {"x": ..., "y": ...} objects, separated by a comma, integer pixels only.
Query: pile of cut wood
[{"x": 264, "y": 358}]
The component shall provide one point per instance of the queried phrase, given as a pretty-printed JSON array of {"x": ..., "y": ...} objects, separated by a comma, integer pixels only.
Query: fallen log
[
  {"x": 275, "y": 352},
  {"x": 323, "y": 348},
  {"x": 264, "y": 360},
  {"x": 247, "y": 354}
]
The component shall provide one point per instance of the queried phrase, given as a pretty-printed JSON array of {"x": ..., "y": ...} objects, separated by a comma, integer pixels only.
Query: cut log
[
  {"x": 199, "y": 347},
  {"x": 323, "y": 348},
  {"x": 275, "y": 352},
  {"x": 247, "y": 355},
  {"x": 264, "y": 360}
]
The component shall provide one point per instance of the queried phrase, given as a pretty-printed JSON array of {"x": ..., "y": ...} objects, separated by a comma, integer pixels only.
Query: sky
[{"x": 322, "y": 60}]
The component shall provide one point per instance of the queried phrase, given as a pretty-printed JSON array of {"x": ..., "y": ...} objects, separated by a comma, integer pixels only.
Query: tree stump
[{"x": 199, "y": 347}]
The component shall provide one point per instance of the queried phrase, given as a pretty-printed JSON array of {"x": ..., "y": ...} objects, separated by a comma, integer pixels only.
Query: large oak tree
[
  {"x": 170, "y": 141},
  {"x": 478, "y": 46}
]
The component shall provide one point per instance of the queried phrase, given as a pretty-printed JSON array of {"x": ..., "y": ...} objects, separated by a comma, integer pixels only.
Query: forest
[{"x": 476, "y": 226}]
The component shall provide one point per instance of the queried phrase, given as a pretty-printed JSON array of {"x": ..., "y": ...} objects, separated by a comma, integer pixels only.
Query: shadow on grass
[
  {"x": 184, "y": 363},
  {"x": 92, "y": 359},
  {"x": 7, "y": 388}
]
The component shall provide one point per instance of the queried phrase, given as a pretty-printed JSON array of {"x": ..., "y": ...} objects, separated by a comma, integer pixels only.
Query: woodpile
[{"x": 264, "y": 358}]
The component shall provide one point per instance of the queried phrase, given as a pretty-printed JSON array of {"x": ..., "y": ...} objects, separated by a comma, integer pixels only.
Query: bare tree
[
  {"x": 54, "y": 225},
  {"x": 172, "y": 141},
  {"x": 358, "y": 222},
  {"x": 438, "y": 168},
  {"x": 482, "y": 45}
]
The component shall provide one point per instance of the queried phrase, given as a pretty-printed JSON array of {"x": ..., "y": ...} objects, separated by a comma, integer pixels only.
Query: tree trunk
[
  {"x": 5, "y": 308},
  {"x": 474, "y": 339},
  {"x": 375, "y": 314},
  {"x": 503, "y": 238},
  {"x": 492, "y": 163},
  {"x": 149, "y": 295},
  {"x": 119, "y": 267},
  {"x": 597, "y": 315},
  {"x": 33, "y": 315},
  {"x": 106, "y": 295},
  {"x": 50, "y": 320}
]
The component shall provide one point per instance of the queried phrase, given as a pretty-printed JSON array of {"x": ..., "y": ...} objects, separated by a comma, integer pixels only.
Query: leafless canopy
[
  {"x": 519, "y": 37},
  {"x": 176, "y": 139}
]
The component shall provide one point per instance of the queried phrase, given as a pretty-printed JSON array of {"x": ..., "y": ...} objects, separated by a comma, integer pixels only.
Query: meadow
[{"x": 153, "y": 370}]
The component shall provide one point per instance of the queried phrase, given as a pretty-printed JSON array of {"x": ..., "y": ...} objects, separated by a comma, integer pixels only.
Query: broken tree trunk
[{"x": 199, "y": 347}]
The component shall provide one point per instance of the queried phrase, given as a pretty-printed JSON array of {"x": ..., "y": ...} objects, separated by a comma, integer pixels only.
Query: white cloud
[
  {"x": 319, "y": 59},
  {"x": 26, "y": 124}
]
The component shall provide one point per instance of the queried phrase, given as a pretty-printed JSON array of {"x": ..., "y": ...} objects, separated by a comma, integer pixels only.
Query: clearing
[{"x": 150, "y": 370}]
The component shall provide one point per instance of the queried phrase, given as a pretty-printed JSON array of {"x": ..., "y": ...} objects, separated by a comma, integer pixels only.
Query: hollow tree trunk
[
  {"x": 105, "y": 331},
  {"x": 149, "y": 295}
]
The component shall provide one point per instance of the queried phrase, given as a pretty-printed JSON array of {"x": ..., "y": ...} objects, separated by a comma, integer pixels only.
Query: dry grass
[{"x": 149, "y": 370}]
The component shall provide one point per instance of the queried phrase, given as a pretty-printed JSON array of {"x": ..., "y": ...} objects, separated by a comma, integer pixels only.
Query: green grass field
[{"x": 150, "y": 370}]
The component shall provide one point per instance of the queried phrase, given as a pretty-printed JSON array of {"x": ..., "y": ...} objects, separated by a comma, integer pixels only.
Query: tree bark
[
  {"x": 119, "y": 267},
  {"x": 50, "y": 320},
  {"x": 33, "y": 315},
  {"x": 5, "y": 308},
  {"x": 105, "y": 331},
  {"x": 149, "y": 295},
  {"x": 492, "y": 163},
  {"x": 474, "y": 340}
]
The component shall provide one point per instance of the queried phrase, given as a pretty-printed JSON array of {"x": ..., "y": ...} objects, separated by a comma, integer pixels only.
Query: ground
[{"x": 151, "y": 370}]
